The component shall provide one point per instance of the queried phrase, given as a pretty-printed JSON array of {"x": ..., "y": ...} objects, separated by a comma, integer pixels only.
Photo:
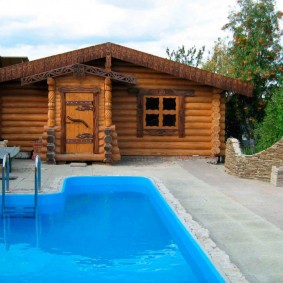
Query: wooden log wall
[
  {"x": 198, "y": 116},
  {"x": 23, "y": 115},
  {"x": 72, "y": 82}
]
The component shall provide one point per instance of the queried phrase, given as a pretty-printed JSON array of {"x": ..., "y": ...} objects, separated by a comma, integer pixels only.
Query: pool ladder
[{"x": 19, "y": 211}]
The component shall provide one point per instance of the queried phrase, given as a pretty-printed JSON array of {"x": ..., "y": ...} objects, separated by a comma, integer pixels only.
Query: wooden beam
[
  {"x": 161, "y": 92},
  {"x": 108, "y": 102},
  {"x": 51, "y": 102},
  {"x": 79, "y": 70},
  {"x": 79, "y": 157}
]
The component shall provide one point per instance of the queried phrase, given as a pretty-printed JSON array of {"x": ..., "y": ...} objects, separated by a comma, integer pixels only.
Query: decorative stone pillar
[
  {"x": 215, "y": 124},
  {"x": 108, "y": 103},
  {"x": 108, "y": 145},
  {"x": 50, "y": 155},
  {"x": 276, "y": 178}
]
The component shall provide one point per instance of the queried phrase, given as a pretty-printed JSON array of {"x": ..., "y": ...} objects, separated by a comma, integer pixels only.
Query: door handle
[{"x": 78, "y": 121}]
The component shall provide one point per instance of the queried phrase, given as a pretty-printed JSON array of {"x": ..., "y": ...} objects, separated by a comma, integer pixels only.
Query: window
[{"x": 160, "y": 112}]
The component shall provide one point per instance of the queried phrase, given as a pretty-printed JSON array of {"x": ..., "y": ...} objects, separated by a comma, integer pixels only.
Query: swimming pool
[{"x": 101, "y": 229}]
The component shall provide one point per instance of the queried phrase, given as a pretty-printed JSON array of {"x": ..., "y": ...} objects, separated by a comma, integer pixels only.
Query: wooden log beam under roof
[{"x": 79, "y": 70}]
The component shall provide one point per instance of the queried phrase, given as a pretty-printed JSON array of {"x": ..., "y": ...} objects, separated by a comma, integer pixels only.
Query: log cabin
[{"x": 106, "y": 101}]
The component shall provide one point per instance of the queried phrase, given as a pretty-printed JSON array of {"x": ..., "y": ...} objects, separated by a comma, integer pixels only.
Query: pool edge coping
[{"x": 219, "y": 258}]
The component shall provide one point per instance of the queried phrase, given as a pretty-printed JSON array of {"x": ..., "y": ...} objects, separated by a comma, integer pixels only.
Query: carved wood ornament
[
  {"x": 85, "y": 136},
  {"x": 77, "y": 121},
  {"x": 79, "y": 70},
  {"x": 85, "y": 108},
  {"x": 79, "y": 141}
]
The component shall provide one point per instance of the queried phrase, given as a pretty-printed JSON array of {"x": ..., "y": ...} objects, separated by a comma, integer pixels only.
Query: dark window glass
[
  {"x": 152, "y": 103},
  {"x": 169, "y": 103},
  {"x": 169, "y": 120},
  {"x": 151, "y": 119}
]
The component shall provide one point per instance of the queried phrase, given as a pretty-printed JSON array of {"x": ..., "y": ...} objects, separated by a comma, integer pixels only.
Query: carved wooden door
[{"x": 80, "y": 122}]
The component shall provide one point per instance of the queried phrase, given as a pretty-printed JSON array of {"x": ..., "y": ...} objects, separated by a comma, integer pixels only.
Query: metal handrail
[
  {"x": 5, "y": 179},
  {"x": 37, "y": 180},
  {"x": 6, "y": 183}
]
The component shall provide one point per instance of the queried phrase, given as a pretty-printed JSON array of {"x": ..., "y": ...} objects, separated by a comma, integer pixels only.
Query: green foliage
[
  {"x": 271, "y": 129},
  {"x": 218, "y": 60},
  {"x": 256, "y": 49},
  {"x": 253, "y": 54},
  {"x": 256, "y": 57},
  {"x": 192, "y": 56}
]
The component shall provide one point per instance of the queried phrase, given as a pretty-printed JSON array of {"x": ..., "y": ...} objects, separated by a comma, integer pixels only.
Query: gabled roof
[{"x": 159, "y": 64}]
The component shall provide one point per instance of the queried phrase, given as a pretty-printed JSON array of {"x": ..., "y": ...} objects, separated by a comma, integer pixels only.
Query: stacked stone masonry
[
  {"x": 277, "y": 176},
  {"x": 257, "y": 166}
]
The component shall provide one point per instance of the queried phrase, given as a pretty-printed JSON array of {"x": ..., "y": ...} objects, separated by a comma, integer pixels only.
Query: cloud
[
  {"x": 41, "y": 28},
  {"x": 131, "y": 5}
]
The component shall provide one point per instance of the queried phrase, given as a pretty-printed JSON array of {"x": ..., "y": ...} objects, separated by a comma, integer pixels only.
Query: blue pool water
[{"x": 101, "y": 229}]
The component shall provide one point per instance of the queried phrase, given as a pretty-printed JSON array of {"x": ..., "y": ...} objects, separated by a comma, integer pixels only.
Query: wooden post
[
  {"x": 108, "y": 121},
  {"x": 51, "y": 102},
  {"x": 215, "y": 128},
  {"x": 108, "y": 103},
  {"x": 50, "y": 155}
]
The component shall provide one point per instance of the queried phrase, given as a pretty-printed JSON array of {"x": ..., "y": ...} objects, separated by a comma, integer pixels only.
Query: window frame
[{"x": 180, "y": 114}]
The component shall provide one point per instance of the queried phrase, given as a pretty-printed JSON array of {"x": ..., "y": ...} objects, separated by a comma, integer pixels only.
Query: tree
[
  {"x": 218, "y": 60},
  {"x": 271, "y": 129},
  {"x": 256, "y": 57},
  {"x": 253, "y": 54},
  {"x": 192, "y": 56}
]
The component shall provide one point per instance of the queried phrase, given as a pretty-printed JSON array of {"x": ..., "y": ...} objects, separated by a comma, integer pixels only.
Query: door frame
[{"x": 95, "y": 91}]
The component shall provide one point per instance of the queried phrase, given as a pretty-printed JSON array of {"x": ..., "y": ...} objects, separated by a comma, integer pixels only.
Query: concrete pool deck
[{"x": 244, "y": 217}]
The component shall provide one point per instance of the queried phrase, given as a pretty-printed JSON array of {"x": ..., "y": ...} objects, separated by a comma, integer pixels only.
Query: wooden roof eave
[
  {"x": 80, "y": 56},
  {"x": 181, "y": 70},
  {"x": 79, "y": 70}
]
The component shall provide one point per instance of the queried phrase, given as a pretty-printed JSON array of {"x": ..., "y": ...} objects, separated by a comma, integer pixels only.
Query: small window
[{"x": 160, "y": 112}]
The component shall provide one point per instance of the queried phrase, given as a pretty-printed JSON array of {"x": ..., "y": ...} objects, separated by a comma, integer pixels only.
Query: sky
[{"x": 37, "y": 28}]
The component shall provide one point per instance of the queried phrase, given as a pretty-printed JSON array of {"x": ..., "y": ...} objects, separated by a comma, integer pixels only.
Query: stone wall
[{"x": 257, "y": 166}]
